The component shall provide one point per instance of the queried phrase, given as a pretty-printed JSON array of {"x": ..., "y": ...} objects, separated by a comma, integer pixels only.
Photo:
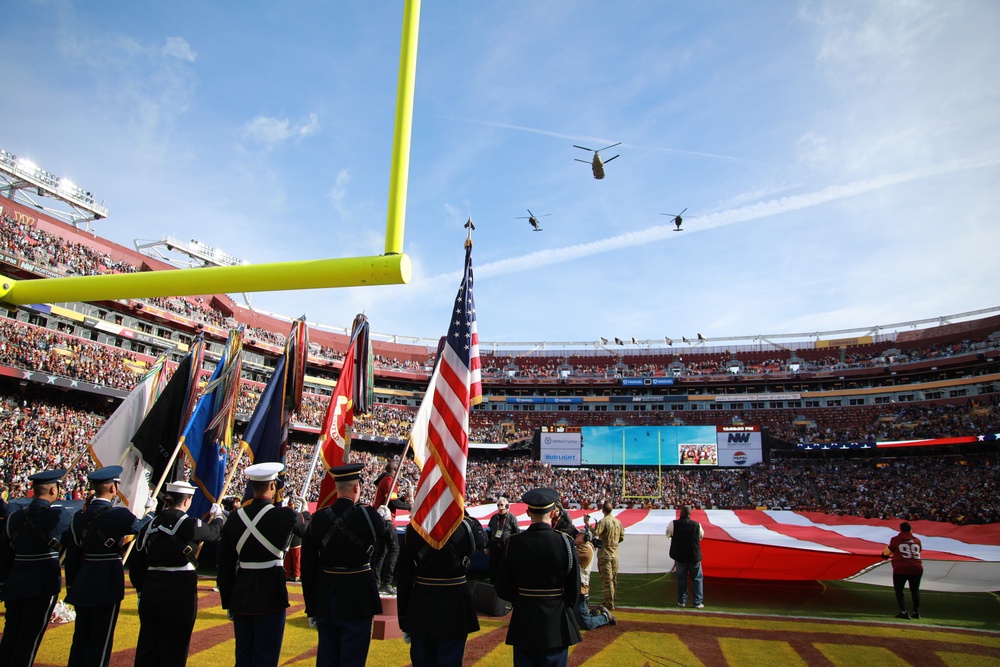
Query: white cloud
[
  {"x": 178, "y": 47},
  {"x": 271, "y": 132}
]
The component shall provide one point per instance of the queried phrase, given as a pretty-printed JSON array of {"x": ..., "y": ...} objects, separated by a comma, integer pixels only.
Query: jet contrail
[
  {"x": 721, "y": 219},
  {"x": 597, "y": 140}
]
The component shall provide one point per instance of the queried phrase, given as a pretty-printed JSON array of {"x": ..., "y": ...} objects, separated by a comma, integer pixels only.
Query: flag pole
[
  {"x": 232, "y": 473},
  {"x": 399, "y": 471},
  {"x": 156, "y": 491},
  {"x": 312, "y": 467}
]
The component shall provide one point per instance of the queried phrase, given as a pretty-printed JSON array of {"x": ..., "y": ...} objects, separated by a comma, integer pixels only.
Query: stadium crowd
[
  {"x": 41, "y": 433},
  {"x": 21, "y": 238}
]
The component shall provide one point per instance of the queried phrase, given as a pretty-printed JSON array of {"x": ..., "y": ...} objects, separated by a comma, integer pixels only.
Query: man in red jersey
[{"x": 904, "y": 550}]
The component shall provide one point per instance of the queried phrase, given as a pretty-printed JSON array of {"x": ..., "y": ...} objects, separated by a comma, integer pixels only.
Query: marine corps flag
[
  {"x": 440, "y": 434},
  {"x": 351, "y": 396}
]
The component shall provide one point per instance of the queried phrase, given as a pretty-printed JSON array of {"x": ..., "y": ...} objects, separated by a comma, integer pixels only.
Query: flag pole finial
[{"x": 470, "y": 227}]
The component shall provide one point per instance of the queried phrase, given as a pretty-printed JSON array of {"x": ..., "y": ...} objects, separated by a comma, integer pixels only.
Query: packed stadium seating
[{"x": 936, "y": 382}]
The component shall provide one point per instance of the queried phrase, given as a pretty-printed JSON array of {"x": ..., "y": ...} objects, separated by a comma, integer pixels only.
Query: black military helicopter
[
  {"x": 533, "y": 219},
  {"x": 596, "y": 164},
  {"x": 678, "y": 220}
]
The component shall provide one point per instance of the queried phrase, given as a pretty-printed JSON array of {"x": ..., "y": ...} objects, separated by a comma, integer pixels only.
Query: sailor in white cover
[{"x": 163, "y": 569}]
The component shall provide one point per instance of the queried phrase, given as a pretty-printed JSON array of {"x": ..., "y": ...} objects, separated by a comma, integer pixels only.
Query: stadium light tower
[
  {"x": 391, "y": 268},
  {"x": 22, "y": 180}
]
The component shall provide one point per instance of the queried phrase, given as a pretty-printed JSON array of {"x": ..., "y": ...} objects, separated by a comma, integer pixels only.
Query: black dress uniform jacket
[
  {"x": 337, "y": 551},
  {"x": 164, "y": 571},
  {"x": 433, "y": 598},
  {"x": 95, "y": 575},
  {"x": 252, "y": 575},
  {"x": 166, "y": 548},
  {"x": 29, "y": 551},
  {"x": 540, "y": 575}
]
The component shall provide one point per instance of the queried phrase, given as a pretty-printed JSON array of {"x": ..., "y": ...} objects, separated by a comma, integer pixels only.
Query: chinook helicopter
[
  {"x": 596, "y": 164},
  {"x": 678, "y": 220},
  {"x": 533, "y": 219}
]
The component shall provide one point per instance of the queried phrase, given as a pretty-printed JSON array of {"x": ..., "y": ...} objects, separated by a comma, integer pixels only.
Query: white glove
[
  {"x": 216, "y": 511},
  {"x": 151, "y": 504},
  {"x": 406, "y": 637},
  {"x": 384, "y": 512},
  {"x": 312, "y": 621}
]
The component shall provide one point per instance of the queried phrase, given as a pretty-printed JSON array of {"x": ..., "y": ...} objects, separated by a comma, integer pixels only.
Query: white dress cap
[
  {"x": 181, "y": 487},
  {"x": 264, "y": 472}
]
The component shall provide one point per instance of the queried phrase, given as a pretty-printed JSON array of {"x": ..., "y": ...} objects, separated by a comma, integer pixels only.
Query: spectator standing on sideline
[
  {"x": 29, "y": 568},
  {"x": 337, "y": 579},
  {"x": 588, "y": 618},
  {"x": 685, "y": 548},
  {"x": 435, "y": 604},
  {"x": 907, "y": 568},
  {"x": 611, "y": 533},
  {"x": 385, "y": 494},
  {"x": 562, "y": 522},
  {"x": 293, "y": 558},
  {"x": 164, "y": 572},
  {"x": 251, "y": 573},
  {"x": 540, "y": 576},
  {"x": 502, "y": 525}
]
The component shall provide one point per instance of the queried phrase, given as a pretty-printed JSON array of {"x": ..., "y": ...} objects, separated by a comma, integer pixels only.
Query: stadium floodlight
[
  {"x": 21, "y": 176},
  {"x": 391, "y": 268}
]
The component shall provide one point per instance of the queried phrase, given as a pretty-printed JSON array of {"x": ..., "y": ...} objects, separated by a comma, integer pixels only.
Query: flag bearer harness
[{"x": 252, "y": 531}]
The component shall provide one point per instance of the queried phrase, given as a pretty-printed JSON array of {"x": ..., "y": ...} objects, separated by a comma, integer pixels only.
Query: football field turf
[{"x": 744, "y": 623}]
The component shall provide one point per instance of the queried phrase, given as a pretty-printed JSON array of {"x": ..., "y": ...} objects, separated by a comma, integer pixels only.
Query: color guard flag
[
  {"x": 335, "y": 438},
  {"x": 157, "y": 439},
  {"x": 208, "y": 436},
  {"x": 351, "y": 396},
  {"x": 440, "y": 434},
  {"x": 110, "y": 446}
]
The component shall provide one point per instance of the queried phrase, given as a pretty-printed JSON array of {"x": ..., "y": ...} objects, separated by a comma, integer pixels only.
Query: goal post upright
[{"x": 392, "y": 268}]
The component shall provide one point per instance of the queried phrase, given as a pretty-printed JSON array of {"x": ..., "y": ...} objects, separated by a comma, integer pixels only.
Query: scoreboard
[{"x": 736, "y": 446}]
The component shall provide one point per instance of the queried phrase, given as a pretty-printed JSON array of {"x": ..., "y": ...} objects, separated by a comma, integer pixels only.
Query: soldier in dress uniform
[
  {"x": 164, "y": 570},
  {"x": 29, "y": 569},
  {"x": 251, "y": 574},
  {"x": 540, "y": 576},
  {"x": 337, "y": 579},
  {"x": 95, "y": 576},
  {"x": 435, "y": 604}
]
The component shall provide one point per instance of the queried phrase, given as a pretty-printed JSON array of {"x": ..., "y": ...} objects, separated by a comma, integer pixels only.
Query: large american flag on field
[{"x": 440, "y": 434}]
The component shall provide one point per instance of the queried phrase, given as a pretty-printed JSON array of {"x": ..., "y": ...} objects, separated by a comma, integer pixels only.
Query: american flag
[{"x": 440, "y": 434}]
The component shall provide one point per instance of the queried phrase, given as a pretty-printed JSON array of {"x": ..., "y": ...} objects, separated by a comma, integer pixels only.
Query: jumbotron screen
[
  {"x": 649, "y": 445},
  {"x": 696, "y": 446}
]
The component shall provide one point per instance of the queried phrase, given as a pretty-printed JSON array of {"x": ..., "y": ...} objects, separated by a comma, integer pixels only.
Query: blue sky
[{"x": 840, "y": 161}]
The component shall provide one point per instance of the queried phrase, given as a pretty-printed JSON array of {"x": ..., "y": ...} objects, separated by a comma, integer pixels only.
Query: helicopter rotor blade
[
  {"x": 583, "y": 161},
  {"x": 611, "y": 146},
  {"x": 609, "y": 159},
  {"x": 682, "y": 212},
  {"x": 583, "y": 148}
]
